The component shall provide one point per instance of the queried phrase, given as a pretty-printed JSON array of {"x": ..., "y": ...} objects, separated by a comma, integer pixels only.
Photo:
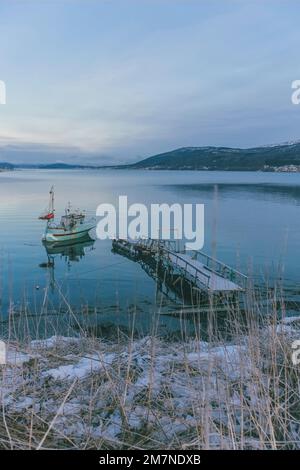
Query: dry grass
[{"x": 150, "y": 393}]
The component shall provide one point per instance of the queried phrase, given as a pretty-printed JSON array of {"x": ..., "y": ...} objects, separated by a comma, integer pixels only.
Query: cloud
[{"x": 130, "y": 79}]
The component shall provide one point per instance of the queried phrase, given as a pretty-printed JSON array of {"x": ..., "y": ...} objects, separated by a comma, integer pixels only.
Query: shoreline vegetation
[{"x": 85, "y": 392}]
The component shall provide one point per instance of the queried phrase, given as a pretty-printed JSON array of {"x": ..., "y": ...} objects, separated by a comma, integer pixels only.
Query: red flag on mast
[{"x": 49, "y": 214}]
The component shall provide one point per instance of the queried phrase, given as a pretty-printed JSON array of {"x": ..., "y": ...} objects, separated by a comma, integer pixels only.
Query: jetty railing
[
  {"x": 196, "y": 266},
  {"x": 156, "y": 244},
  {"x": 227, "y": 272},
  {"x": 189, "y": 268}
]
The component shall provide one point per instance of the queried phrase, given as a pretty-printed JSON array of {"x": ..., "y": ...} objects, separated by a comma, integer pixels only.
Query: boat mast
[
  {"x": 51, "y": 202},
  {"x": 51, "y": 206},
  {"x": 49, "y": 214}
]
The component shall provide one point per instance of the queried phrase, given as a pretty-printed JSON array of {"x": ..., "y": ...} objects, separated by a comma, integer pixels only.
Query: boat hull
[{"x": 61, "y": 235}]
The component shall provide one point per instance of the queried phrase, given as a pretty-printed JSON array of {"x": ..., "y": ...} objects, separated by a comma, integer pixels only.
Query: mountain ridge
[
  {"x": 275, "y": 157},
  {"x": 265, "y": 158}
]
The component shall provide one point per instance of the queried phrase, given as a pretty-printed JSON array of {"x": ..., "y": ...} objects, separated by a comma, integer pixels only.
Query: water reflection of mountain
[{"x": 265, "y": 191}]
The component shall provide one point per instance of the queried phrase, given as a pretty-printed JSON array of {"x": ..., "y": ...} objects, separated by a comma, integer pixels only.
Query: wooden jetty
[{"x": 198, "y": 269}]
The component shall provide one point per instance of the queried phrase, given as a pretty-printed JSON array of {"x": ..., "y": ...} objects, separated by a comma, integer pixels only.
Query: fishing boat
[{"x": 72, "y": 226}]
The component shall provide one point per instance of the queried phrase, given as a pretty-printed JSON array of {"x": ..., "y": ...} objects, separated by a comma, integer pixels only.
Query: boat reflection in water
[
  {"x": 70, "y": 252},
  {"x": 68, "y": 312}
]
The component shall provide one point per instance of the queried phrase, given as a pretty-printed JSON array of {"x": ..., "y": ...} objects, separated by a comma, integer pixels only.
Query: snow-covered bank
[{"x": 84, "y": 393}]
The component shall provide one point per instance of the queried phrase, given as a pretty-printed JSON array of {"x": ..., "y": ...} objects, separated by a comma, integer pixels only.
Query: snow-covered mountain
[{"x": 225, "y": 158}]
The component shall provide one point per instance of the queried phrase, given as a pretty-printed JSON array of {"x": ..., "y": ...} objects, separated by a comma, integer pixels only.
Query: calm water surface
[{"x": 251, "y": 222}]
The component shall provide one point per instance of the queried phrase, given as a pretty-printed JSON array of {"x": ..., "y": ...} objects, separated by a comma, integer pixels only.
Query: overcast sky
[{"x": 119, "y": 80}]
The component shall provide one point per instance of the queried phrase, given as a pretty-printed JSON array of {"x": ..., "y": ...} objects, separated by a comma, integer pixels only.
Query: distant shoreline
[
  {"x": 281, "y": 158},
  {"x": 126, "y": 167}
]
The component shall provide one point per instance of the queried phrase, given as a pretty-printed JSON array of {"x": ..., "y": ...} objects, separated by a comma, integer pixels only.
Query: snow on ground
[
  {"x": 53, "y": 342},
  {"x": 165, "y": 394},
  {"x": 81, "y": 368}
]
